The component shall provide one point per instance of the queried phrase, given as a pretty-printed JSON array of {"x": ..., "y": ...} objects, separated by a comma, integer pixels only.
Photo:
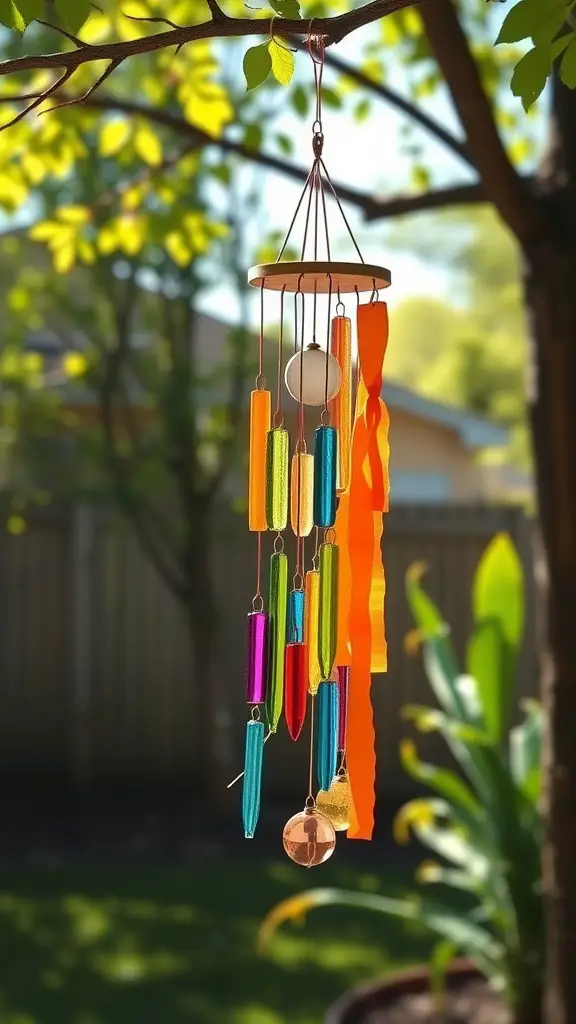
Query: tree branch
[
  {"x": 395, "y": 100},
  {"x": 333, "y": 30},
  {"x": 197, "y": 136},
  {"x": 438, "y": 199},
  {"x": 502, "y": 184}
]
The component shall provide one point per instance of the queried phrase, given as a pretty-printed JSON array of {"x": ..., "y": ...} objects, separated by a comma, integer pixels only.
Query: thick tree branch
[
  {"x": 394, "y": 99},
  {"x": 502, "y": 184},
  {"x": 438, "y": 199},
  {"x": 333, "y": 30}
]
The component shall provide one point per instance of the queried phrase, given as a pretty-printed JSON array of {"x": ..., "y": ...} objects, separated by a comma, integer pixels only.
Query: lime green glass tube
[
  {"x": 328, "y": 611},
  {"x": 277, "y": 467},
  {"x": 277, "y": 619}
]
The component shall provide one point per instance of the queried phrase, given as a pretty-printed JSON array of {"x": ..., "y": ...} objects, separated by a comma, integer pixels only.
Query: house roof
[{"x": 474, "y": 431}]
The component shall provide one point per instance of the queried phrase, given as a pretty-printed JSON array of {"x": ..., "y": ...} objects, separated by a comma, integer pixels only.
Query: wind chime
[{"x": 312, "y": 646}]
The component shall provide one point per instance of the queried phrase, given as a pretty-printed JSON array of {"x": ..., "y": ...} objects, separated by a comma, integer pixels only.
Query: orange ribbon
[{"x": 368, "y": 498}]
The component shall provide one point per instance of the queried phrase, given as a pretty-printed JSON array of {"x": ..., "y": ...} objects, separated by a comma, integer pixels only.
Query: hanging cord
[
  {"x": 326, "y": 418},
  {"x": 278, "y": 418},
  {"x": 310, "y": 801},
  {"x": 258, "y": 600},
  {"x": 261, "y": 376},
  {"x": 300, "y": 450}
]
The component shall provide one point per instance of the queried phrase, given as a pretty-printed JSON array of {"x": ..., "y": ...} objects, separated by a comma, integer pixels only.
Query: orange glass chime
[{"x": 312, "y": 647}]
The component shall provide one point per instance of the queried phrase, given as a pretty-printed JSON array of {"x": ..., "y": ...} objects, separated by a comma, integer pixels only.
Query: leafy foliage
[
  {"x": 483, "y": 823},
  {"x": 551, "y": 29}
]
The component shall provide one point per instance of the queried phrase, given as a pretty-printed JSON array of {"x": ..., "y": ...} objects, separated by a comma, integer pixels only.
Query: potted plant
[{"x": 482, "y": 823}]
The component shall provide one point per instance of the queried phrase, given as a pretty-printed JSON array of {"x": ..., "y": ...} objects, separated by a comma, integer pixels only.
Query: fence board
[{"x": 138, "y": 713}]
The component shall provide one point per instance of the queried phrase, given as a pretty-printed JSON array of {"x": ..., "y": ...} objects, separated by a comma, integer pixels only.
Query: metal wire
[{"x": 278, "y": 418}]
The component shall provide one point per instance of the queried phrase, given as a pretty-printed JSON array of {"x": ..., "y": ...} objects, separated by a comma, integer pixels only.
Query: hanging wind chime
[{"x": 312, "y": 645}]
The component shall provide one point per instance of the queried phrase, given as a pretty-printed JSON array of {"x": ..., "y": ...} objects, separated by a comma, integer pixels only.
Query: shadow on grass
[{"x": 97, "y": 945}]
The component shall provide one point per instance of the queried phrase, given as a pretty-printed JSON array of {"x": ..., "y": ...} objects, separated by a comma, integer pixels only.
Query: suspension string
[
  {"x": 296, "y": 212},
  {"x": 278, "y": 414},
  {"x": 313, "y": 173},
  {"x": 258, "y": 600},
  {"x": 310, "y": 796},
  {"x": 261, "y": 379},
  {"x": 325, "y": 216},
  {"x": 340, "y": 207},
  {"x": 326, "y": 410}
]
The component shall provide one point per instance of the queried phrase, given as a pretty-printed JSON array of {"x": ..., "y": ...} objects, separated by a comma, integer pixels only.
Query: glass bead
[{"x": 309, "y": 838}]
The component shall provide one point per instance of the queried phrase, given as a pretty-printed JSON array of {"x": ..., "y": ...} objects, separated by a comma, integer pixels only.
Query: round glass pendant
[
  {"x": 309, "y": 367},
  {"x": 309, "y": 838},
  {"x": 336, "y": 803}
]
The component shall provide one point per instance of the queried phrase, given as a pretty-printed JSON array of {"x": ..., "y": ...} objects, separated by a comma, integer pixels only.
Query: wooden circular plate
[{"x": 314, "y": 276}]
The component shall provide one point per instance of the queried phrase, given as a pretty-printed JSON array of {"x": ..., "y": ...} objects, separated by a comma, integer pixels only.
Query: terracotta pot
[{"x": 353, "y": 1007}]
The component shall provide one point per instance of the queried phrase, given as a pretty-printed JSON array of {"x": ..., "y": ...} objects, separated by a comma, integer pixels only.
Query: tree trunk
[
  {"x": 213, "y": 720},
  {"x": 551, "y": 294},
  {"x": 551, "y": 300}
]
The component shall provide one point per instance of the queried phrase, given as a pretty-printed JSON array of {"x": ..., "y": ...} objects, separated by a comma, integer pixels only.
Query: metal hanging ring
[
  {"x": 278, "y": 544},
  {"x": 298, "y": 581},
  {"x": 340, "y": 306},
  {"x": 255, "y": 713},
  {"x": 257, "y": 603},
  {"x": 261, "y": 382}
]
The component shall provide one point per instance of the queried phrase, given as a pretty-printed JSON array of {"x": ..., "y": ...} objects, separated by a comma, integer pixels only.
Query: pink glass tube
[
  {"x": 256, "y": 657},
  {"x": 343, "y": 684}
]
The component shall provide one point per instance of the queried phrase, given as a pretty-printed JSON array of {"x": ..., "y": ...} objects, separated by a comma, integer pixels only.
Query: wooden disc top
[{"x": 319, "y": 277}]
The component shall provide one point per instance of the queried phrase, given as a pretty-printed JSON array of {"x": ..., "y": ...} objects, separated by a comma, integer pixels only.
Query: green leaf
[
  {"x": 11, "y": 16},
  {"x": 568, "y": 65},
  {"x": 257, "y": 65},
  {"x": 498, "y": 606},
  {"x": 286, "y": 8},
  {"x": 432, "y": 720},
  {"x": 420, "y": 178},
  {"x": 530, "y": 75},
  {"x": 283, "y": 62},
  {"x": 285, "y": 143},
  {"x": 529, "y": 18},
  {"x": 30, "y": 9},
  {"x": 300, "y": 101},
  {"x": 331, "y": 98},
  {"x": 73, "y": 13},
  {"x": 526, "y": 751},
  {"x": 441, "y": 780},
  {"x": 362, "y": 110},
  {"x": 469, "y": 937},
  {"x": 252, "y": 137}
]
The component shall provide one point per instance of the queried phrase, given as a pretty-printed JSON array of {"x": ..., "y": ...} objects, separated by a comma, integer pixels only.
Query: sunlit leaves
[
  {"x": 257, "y": 65},
  {"x": 205, "y": 101},
  {"x": 113, "y": 136},
  {"x": 147, "y": 144},
  {"x": 530, "y": 76},
  {"x": 282, "y": 60},
  {"x": 11, "y": 16}
]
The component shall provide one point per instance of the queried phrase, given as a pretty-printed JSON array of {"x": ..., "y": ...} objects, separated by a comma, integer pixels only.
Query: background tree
[{"x": 445, "y": 47}]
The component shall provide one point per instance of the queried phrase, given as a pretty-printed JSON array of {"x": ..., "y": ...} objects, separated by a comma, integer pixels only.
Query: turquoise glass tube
[
  {"x": 254, "y": 750},
  {"x": 325, "y": 469},
  {"x": 326, "y": 734},
  {"x": 277, "y": 629},
  {"x": 295, "y": 633}
]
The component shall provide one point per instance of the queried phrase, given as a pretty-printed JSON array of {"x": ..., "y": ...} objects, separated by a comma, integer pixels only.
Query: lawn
[{"x": 159, "y": 945}]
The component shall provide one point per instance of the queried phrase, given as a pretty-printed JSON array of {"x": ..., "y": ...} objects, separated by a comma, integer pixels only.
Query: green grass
[{"x": 145, "y": 945}]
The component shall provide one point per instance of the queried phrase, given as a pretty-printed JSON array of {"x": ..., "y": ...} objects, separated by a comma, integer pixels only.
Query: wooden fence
[{"x": 96, "y": 683}]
